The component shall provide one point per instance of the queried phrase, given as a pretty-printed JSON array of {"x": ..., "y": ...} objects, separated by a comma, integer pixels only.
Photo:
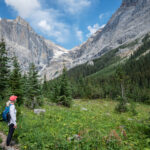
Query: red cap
[{"x": 13, "y": 98}]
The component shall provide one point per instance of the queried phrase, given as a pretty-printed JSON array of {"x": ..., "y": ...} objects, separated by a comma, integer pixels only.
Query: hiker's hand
[{"x": 15, "y": 126}]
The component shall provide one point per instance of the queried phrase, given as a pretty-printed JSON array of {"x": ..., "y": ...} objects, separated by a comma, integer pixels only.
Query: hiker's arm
[{"x": 13, "y": 115}]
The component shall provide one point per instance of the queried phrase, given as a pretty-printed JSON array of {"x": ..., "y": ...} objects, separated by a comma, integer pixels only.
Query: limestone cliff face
[
  {"x": 131, "y": 21},
  {"x": 128, "y": 3},
  {"x": 22, "y": 41}
]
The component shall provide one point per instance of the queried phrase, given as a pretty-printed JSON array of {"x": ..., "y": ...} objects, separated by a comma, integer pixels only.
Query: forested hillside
[{"x": 99, "y": 79}]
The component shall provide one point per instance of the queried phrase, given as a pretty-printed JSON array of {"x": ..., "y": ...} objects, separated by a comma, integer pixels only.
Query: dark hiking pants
[{"x": 10, "y": 134}]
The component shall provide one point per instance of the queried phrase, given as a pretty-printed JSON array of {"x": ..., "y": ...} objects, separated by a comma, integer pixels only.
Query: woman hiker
[{"x": 12, "y": 124}]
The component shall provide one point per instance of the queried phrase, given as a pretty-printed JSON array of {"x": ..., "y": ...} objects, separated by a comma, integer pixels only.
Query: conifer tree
[
  {"x": 24, "y": 81},
  {"x": 33, "y": 88},
  {"x": 45, "y": 91},
  {"x": 81, "y": 87},
  {"x": 4, "y": 69},
  {"x": 56, "y": 90},
  {"x": 65, "y": 96},
  {"x": 16, "y": 81},
  {"x": 121, "y": 78}
]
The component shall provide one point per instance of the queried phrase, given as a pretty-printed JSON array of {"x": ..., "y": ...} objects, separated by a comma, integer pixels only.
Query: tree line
[
  {"x": 108, "y": 79},
  {"x": 28, "y": 86},
  {"x": 13, "y": 82}
]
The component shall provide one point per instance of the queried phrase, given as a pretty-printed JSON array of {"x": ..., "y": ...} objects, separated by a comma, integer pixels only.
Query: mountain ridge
[
  {"x": 109, "y": 38},
  {"x": 129, "y": 22},
  {"x": 27, "y": 45}
]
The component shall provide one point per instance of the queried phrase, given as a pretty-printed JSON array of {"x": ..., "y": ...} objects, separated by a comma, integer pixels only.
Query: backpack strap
[{"x": 9, "y": 106}]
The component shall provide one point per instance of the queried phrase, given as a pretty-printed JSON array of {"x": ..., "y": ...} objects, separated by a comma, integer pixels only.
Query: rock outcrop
[
  {"x": 131, "y": 21},
  {"x": 22, "y": 41}
]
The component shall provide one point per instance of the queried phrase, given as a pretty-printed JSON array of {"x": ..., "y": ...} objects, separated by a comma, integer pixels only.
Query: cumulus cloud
[
  {"x": 24, "y": 7},
  {"x": 43, "y": 24},
  {"x": 94, "y": 28},
  {"x": 0, "y": 18},
  {"x": 45, "y": 20},
  {"x": 51, "y": 26},
  {"x": 74, "y": 6},
  {"x": 79, "y": 35}
]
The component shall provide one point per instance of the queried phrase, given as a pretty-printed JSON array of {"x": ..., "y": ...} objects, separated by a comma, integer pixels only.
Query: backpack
[{"x": 6, "y": 115}]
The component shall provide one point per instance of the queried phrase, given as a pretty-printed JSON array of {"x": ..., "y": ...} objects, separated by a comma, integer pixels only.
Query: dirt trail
[{"x": 3, "y": 144}]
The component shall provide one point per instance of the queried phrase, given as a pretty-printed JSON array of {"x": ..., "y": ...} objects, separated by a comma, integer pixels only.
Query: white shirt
[{"x": 12, "y": 112}]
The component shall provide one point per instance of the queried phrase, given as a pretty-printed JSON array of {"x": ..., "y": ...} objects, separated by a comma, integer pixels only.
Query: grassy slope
[
  {"x": 104, "y": 71},
  {"x": 104, "y": 64},
  {"x": 107, "y": 71},
  {"x": 54, "y": 129}
]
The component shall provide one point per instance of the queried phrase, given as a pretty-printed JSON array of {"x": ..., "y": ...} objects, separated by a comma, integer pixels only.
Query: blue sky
[{"x": 65, "y": 22}]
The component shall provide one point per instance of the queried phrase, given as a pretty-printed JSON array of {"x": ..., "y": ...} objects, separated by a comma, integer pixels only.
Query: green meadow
[{"x": 87, "y": 125}]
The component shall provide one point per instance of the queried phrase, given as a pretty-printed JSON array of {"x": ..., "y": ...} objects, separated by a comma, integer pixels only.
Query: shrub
[
  {"x": 132, "y": 108},
  {"x": 63, "y": 100},
  {"x": 121, "y": 107}
]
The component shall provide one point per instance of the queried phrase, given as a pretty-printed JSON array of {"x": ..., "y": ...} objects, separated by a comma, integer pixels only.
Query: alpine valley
[
  {"x": 125, "y": 31},
  {"x": 95, "y": 96}
]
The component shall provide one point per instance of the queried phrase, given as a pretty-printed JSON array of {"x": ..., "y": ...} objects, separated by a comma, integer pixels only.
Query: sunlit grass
[{"x": 88, "y": 124}]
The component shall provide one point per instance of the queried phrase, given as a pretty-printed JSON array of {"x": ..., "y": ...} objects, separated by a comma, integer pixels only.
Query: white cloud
[
  {"x": 79, "y": 35},
  {"x": 0, "y": 18},
  {"x": 43, "y": 24},
  {"x": 93, "y": 29},
  {"x": 46, "y": 21},
  {"x": 74, "y": 6},
  {"x": 24, "y": 7},
  {"x": 51, "y": 26}
]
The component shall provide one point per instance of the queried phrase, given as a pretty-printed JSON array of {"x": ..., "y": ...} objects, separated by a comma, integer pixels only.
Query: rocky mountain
[
  {"x": 130, "y": 22},
  {"x": 22, "y": 41}
]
